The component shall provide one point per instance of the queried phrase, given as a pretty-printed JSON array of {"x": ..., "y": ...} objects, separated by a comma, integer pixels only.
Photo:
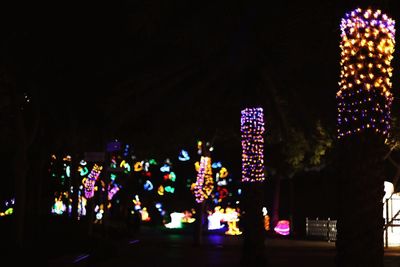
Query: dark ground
[{"x": 158, "y": 246}]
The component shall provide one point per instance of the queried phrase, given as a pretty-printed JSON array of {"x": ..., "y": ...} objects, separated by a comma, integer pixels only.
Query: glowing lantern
[{"x": 282, "y": 227}]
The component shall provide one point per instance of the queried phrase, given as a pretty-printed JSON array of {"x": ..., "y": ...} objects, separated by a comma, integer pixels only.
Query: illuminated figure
[
  {"x": 145, "y": 215},
  {"x": 232, "y": 217},
  {"x": 176, "y": 220},
  {"x": 266, "y": 218},
  {"x": 214, "y": 219}
]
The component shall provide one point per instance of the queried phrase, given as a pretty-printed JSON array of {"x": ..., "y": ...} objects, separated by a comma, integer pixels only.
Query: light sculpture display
[
  {"x": 364, "y": 98},
  {"x": 91, "y": 180},
  {"x": 176, "y": 220},
  {"x": 204, "y": 183},
  {"x": 252, "y": 129},
  {"x": 282, "y": 227}
]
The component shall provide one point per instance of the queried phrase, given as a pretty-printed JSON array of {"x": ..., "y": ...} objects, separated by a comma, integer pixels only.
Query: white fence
[{"x": 321, "y": 229}]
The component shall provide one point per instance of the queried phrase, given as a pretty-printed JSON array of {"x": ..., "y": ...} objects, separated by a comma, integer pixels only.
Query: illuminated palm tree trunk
[
  {"x": 252, "y": 131},
  {"x": 364, "y": 102}
]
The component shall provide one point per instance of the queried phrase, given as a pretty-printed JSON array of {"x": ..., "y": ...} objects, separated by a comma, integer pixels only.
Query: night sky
[{"x": 163, "y": 74}]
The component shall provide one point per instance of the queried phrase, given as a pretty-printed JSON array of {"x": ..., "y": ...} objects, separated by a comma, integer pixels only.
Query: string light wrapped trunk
[
  {"x": 252, "y": 130},
  {"x": 363, "y": 124},
  {"x": 364, "y": 98}
]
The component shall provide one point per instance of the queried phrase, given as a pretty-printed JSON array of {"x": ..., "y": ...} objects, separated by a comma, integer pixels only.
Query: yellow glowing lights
[
  {"x": 366, "y": 49},
  {"x": 204, "y": 183}
]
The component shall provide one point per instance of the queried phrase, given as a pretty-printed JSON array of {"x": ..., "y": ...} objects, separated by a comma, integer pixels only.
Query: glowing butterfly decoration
[
  {"x": 184, "y": 155},
  {"x": 148, "y": 185},
  {"x": 8, "y": 211},
  {"x": 153, "y": 162},
  {"x": 223, "y": 173},
  {"x": 176, "y": 220},
  {"x": 222, "y": 183},
  {"x": 83, "y": 171},
  {"x": 172, "y": 176},
  {"x": 138, "y": 166},
  {"x": 216, "y": 165},
  {"x": 282, "y": 227},
  {"x": 165, "y": 168},
  {"x": 169, "y": 189},
  {"x": 125, "y": 165},
  {"x": 160, "y": 190}
]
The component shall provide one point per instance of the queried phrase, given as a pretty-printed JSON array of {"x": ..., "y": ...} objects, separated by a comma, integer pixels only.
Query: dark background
[{"x": 163, "y": 74}]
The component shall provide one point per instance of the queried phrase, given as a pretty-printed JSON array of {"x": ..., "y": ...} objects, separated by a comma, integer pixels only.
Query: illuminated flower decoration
[
  {"x": 204, "y": 183},
  {"x": 364, "y": 98},
  {"x": 252, "y": 128}
]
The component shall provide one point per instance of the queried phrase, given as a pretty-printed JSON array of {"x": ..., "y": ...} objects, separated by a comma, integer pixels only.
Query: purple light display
[
  {"x": 252, "y": 129},
  {"x": 364, "y": 98}
]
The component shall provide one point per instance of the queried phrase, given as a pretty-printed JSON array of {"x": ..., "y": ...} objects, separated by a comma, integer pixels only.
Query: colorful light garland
[
  {"x": 204, "y": 183},
  {"x": 364, "y": 98},
  {"x": 252, "y": 128}
]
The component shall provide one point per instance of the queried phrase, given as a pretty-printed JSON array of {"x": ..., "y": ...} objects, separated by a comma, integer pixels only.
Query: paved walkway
[{"x": 174, "y": 248}]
